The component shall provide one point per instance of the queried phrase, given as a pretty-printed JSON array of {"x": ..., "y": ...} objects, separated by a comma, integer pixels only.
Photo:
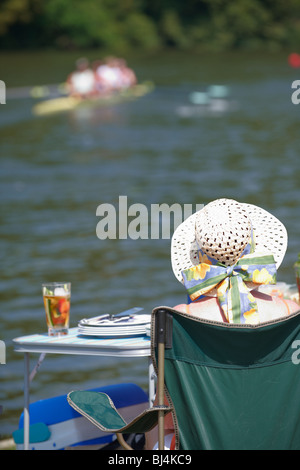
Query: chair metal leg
[
  {"x": 122, "y": 442},
  {"x": 160, "y": 395},
  {"x": 162, "y": 340}
]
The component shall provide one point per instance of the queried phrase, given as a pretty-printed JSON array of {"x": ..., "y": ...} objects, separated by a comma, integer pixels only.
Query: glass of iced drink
[{"x": 57, "y": 297}]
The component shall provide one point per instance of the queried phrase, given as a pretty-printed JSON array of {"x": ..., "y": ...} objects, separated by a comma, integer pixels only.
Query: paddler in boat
[
  {"x": 107, "y": 75},
  {"x": 81, "y": 83},
  {"x": 128, "y": 77},
  {"x": 102, "y": 84},
  {"x": 113, "y": 75}
]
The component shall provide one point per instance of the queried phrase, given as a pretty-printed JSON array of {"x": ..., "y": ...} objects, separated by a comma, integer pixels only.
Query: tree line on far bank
[{"x": 121, "y": 25}]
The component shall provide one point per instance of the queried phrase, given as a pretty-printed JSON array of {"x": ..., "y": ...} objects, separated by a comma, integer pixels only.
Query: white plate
[
  {"x": 116, "y": 322},
  {"x": 131, "y": 331},
  {"x": 114, "y": 334},
  {"x": 130, "y": 325}
]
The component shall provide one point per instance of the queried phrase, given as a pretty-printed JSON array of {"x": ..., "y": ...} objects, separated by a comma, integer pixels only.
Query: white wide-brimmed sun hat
[{"x": 222, "y": 230}]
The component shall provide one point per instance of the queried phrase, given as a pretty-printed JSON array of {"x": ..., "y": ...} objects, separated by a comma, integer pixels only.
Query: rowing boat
[{"x": 69, "y": 103}]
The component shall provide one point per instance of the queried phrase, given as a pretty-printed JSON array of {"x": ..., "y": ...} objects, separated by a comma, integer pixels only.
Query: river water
[{"x": 55, "y": 171}]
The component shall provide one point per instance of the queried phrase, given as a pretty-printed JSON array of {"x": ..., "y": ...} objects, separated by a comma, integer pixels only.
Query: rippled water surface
[{"x": 55, "y": 171}]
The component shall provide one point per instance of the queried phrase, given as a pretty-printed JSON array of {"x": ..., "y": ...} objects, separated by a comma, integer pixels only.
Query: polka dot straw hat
[{"x": 222, "y": 229}]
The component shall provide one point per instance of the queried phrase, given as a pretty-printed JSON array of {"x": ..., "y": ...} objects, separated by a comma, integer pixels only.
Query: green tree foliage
[
  {"x": 150, "y": 24},
  {"x": 17, "y": 11}
]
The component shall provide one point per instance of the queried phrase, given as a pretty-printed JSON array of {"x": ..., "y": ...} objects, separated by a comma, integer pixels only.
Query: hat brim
[{"x": 269, "y": 233}]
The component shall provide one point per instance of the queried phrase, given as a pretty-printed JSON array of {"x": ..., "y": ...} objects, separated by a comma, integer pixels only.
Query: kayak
[{"x": 69, "y": 103}]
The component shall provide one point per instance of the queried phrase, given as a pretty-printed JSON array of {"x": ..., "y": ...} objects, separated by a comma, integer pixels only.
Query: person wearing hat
[{"x": 222, "y": 254}]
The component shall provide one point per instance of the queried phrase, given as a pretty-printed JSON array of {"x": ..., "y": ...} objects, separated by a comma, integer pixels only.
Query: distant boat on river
[{"x": 68, "y": 103}]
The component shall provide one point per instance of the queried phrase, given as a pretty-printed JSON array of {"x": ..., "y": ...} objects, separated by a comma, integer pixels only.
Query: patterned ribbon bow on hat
[{"x": 235, "y": 298}]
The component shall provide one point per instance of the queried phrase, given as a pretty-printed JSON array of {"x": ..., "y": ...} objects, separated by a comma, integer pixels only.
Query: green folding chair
[
  {"x": 101, "y": 411},
  {"x": 233, "y": 387}
]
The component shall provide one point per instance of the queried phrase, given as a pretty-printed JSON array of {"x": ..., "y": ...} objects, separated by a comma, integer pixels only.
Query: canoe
[{"x": 69, "y": 103}]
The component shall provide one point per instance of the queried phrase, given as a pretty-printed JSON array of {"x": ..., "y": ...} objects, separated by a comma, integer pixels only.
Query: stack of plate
[{"x": 123, "y": 324}]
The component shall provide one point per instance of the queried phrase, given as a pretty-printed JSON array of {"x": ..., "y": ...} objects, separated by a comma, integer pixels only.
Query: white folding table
[{"x": 75, "y": 344}]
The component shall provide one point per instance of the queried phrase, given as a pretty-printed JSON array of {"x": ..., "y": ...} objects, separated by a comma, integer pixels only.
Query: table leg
[{"x": 26, "y": 401}]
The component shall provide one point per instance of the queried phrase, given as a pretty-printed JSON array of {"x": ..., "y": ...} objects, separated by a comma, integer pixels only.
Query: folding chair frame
[{"x": 149, "y": 418}]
